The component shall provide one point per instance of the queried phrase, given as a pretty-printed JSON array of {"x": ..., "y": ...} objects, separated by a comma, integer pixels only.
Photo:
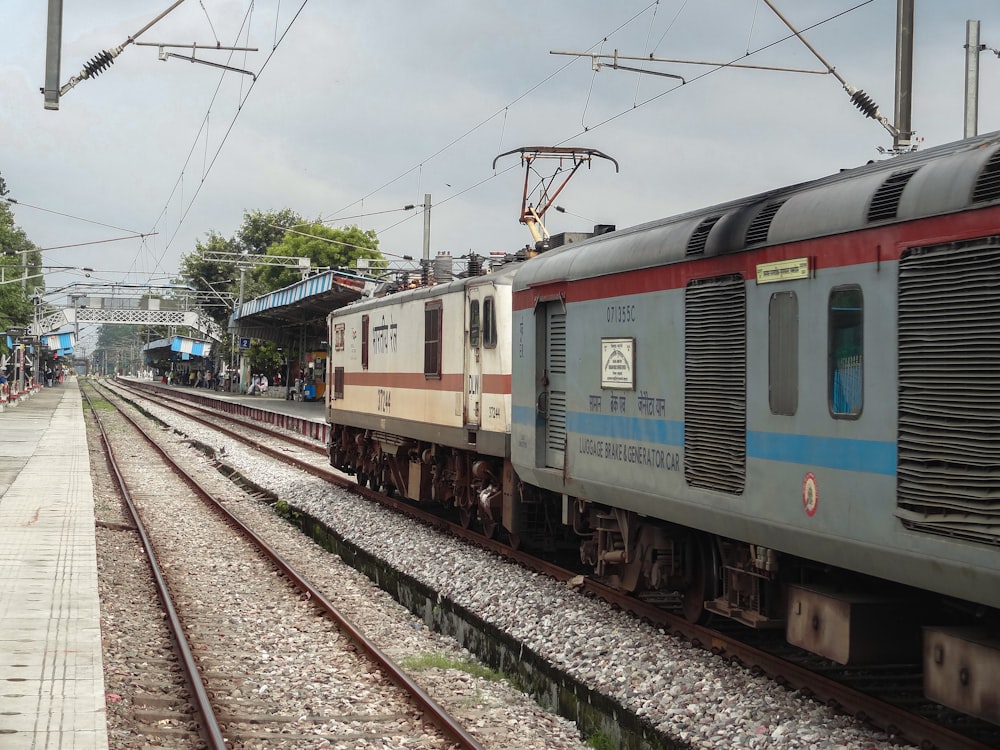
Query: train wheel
[
  {"x": 465, "y": 516},
  {"x": 489, "y": 527},
  {"x": 703, "y": 581}
]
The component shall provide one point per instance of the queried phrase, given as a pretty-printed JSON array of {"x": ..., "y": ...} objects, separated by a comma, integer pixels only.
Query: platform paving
[{"x": 51, "y": 668}]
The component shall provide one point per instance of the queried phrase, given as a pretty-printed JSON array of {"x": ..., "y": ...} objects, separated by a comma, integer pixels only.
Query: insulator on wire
[
  {"x": 865, "y": 103},
  {"x": 98, "y": 65}
]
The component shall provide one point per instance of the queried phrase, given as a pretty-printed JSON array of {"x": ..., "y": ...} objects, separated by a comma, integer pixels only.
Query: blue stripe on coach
[{"x": 868, "y": 456}]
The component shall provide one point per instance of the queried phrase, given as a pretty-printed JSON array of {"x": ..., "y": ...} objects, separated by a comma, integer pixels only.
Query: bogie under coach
[{"x": 784, "y": 408}]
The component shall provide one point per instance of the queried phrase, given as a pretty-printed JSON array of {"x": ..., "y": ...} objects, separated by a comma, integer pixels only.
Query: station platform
[
  {"x": 51, "y": 662},
  {"x": 305, "y": 417}
]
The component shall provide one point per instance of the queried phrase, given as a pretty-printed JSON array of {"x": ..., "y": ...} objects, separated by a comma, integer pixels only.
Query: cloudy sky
[{"x": 360, "y": 108}]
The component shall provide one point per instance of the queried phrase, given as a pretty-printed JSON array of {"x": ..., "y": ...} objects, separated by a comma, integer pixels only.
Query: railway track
[
  {"x": 240, "y": 614},
  {"x": 886, "y": 697}
]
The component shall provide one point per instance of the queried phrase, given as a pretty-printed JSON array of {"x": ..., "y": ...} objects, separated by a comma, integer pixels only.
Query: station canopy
[
  {"x": 177, "y": 349},
  {"x": 299, "y": 311}
]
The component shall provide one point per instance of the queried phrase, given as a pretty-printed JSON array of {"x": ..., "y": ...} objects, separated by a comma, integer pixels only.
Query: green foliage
[
  {"x": 263, "y": 357},
  {"x": 118, "y": 336},
  {"x": 326, "y": 247},
  {"x": 439, "y": 661},
  {"x": 18, "y": 259},
  {"x": 601, "y": 741},
  {"x": 263, "y": 229},
  {"x": 263, "y": 233},
  {"x": 218, "y": 280}
]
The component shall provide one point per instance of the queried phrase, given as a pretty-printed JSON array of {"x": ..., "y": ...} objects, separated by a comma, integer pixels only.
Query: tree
[
  {"x": 326, "y": 247},
  {"x": 259, "y": 231},
  {"x": 119, "y": 348},
  {"x": 263, "y": 357},
  {"x": 216, "y": 279},
  {"x": 20, "y": 271},
  {"x": 262, "y": 229}
]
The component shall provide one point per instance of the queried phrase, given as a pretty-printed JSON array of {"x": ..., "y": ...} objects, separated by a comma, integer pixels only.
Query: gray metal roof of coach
[{"x": 937, "y": 181}]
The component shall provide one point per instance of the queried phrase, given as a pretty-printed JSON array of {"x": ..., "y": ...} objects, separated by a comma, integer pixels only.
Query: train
[{"x": 783, "y": 410}]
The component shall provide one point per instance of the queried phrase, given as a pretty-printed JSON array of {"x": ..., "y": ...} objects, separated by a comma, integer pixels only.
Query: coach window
[
  {"x": 432, "y": 340},
  {"x": 489, "y": 323},
  {"x": 474, "y": 322},
  {"x": 364, "y": 342},
  {"x": 783, "y": 353},
  {"x": 846, "y": 353}
]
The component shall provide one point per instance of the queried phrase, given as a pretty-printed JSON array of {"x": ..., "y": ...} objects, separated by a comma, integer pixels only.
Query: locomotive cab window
[
  {"x": 846, "y": 353},
  {"x": 432, "y": 340},
  {"x": 783, "y": 353},
  {"x": 489, "y": 323},
  {"x": 474, "y": 323}
]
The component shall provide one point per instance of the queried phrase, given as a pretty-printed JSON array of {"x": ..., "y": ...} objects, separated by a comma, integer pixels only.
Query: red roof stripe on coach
[{"x": 885, "y": 243}]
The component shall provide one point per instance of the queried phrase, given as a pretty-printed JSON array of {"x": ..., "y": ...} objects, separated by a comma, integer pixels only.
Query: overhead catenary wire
[
  {"x": 225, "y": 137},
  {"x": 715, "y": 67},
  {"x": 209, "y": 19},
  {"x": 70, "y": 216},
  {"x": 504, "y": 111},
  {"x": 481, "y": 123}
]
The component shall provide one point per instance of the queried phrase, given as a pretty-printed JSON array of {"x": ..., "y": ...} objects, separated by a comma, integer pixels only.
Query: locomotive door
[
  {"x": 473, "y": 356},
  {"x": 552, "y": 399}
]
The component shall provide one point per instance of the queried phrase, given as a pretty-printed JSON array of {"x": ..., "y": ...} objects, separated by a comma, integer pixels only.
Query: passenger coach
[{"x": 805, "y": 378}]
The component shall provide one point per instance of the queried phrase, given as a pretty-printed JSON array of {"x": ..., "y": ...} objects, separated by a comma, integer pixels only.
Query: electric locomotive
[
  {"x": 419, "y": 393},
  {"x": 783, "y": 409}
]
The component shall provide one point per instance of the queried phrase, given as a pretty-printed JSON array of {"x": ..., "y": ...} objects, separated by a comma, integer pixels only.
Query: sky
[{"x": 359, "y": 109}]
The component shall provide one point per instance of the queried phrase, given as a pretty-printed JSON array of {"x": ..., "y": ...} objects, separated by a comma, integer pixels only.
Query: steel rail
[
  {"x": 208, "y": 727},
  {"x": 919, "y": 730},
  {"x": 437, "y": 714}
]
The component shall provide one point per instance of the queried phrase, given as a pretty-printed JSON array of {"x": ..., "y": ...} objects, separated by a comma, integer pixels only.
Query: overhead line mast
[
  {"x": 901, "y": 131},
  {"x": 104, "y": 59}
]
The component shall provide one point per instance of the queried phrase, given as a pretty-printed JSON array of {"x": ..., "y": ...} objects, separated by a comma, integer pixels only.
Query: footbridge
[
  {"x": 121, "y": 306},
  {"x": 61, "y": 317}
]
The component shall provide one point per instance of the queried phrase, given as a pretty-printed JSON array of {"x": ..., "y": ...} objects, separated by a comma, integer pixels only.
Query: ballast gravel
[{"x": 688, "y": 693}]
